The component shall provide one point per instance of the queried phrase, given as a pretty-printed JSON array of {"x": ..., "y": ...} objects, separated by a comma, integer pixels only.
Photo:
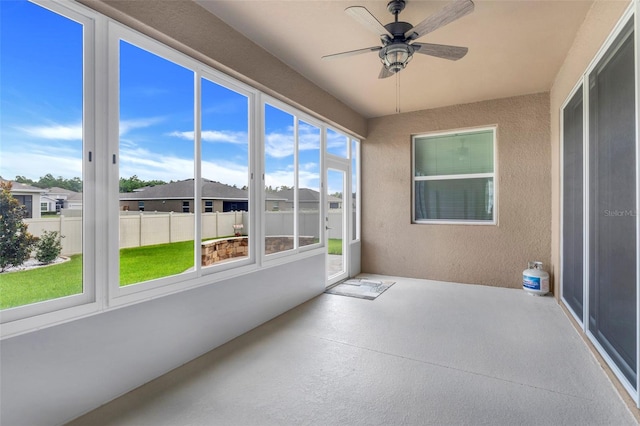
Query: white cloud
[
  {"x": 279, "y": 178},
  {"x": 285, "y": 178},
  {"x": 151, "y": 166},
  {"x": 33, "y": 161},
  {"x": 226, "y": 172},
  {"x": 127, "y": 125},
  {"x": 278, "y": 145},
  {"x": 309, "y": 167},
  {"x": 309, "y": 180},
  {"x": 55, "y": 131},
  {"x": 308, "y": 138},
  {"x": 337, "y": 143},
  {"x": 73, "y": 132},
  {"x": 225, "y": 136}
]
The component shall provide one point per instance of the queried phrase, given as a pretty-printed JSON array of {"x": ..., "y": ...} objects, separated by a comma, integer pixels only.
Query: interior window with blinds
[{"x": 453, "y": 177}]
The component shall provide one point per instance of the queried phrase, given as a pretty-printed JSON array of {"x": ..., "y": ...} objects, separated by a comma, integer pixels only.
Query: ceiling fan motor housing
[
  {"x": 397, "y": 52},
  {"x": 396, "y": 55}
]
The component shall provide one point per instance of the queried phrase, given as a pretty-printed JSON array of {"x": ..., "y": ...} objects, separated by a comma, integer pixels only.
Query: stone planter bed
[{"x": 215, "y": 251}]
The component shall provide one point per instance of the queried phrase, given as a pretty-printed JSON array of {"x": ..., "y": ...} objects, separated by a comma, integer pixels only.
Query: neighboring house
[
  {"x": 178, "y": 197},
  {"x": 57, "y": 198},
  {"x": 274, "y": 202},
  {"x": 307, "y": 198},
  {"x": 334, "y": 202},
  {"x": 29, "y": 196}
]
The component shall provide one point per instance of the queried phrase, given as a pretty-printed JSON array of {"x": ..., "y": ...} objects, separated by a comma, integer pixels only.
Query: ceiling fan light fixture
[
  {"x": 398, "y": 37},
  {"x": 396, "y": 56}
]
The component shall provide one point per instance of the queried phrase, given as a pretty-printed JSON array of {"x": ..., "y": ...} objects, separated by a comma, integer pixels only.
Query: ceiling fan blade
[
  {"x": 352, "y": 52},
  {"x": 453, "y": 53},
  {"x": 384, "y": 73},
  {"x": 444, "y": 16},
  {"x": 364, "y": 17}
]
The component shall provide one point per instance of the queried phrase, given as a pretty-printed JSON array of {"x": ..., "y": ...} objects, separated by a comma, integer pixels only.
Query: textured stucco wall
[
  {"x": 189, "y": 28},
  {"x": 598, "y": 24},
  {"x": 476, "y": 254}
]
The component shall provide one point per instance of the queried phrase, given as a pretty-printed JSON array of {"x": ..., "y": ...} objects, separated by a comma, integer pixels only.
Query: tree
[
  {"x": 48, "y": 246},
  {"x": 134, "y": 182},
  {"x": 26, "y": 181},
  {"x": 15, "y": 241},
  {"x": 48, "y": 181}
]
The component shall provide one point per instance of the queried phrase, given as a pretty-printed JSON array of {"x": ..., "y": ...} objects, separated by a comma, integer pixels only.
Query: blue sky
[{"x": 41, "y": 112}]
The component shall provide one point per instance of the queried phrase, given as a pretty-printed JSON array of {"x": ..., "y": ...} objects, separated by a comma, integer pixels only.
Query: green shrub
[
  {"x": 48, "y": 246},
  {"x": 15, "y": 242}
]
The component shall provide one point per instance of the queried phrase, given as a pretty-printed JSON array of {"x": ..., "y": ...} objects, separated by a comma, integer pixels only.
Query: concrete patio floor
[{"x": 423, "y": 353}]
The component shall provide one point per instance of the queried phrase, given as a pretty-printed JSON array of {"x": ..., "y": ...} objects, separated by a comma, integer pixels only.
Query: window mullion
[{"x": 197, "y": 171}]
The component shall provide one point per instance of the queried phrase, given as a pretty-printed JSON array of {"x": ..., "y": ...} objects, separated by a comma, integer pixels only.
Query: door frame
[{"x": 344, "y": 166}]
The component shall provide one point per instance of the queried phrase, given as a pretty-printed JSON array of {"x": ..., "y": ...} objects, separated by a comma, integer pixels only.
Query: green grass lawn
[
  {"x": 335, "y": 246},
  {"x": 136, "y": 265},
  {"x": 36, "y": 285},
  {"x": 146, "y": 263}
]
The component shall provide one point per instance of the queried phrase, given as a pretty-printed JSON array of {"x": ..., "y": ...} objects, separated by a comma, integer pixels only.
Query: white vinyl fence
[{"x": 148, "y": 228}]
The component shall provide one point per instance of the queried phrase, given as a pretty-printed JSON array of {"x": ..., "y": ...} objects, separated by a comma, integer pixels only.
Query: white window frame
[
  {"x": 297, "y": 250},
  {"x": 493, "y": 175},
  {"x": 16, "y": 320},
  {"x": 354, "y": 156},
  {"x": 200, "y": 275},
  {"x": 102, "y": 291}
]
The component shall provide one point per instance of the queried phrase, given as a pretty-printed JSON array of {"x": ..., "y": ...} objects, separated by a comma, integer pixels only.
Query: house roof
[
  {"x": 22, "y": 187},
  {"x": 305, "y": 195},
  {"x": 69, "y": 194},
  {"x": 185, "y": 189}
]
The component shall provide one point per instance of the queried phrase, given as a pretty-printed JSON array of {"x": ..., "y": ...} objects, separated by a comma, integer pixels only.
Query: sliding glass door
[
  {"x": 573, "y": 205},
  {"x": 612, "y": 204},
  {"x": 599, "y": 279}
]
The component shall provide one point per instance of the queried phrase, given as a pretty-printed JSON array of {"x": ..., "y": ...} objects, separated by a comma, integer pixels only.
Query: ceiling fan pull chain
[{"x": 397, "y": 93}]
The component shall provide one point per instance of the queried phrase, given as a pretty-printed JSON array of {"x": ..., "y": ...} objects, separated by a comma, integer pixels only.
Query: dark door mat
[{"x": 362, "y": 288}]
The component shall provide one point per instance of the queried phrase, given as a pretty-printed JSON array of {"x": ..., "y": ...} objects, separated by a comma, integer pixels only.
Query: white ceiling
[{"x": 515, "y": 47}]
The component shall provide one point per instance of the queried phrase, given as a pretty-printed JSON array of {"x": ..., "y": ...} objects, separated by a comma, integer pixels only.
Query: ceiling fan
[{"x": 397, "y": 37}]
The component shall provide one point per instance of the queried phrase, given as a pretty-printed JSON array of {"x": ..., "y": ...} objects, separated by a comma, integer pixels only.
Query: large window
[
  {"x": 337, "y": 144},
  {"x": 279, "y": 177},
  {"x": 454, "y": 177},
  {"x": 156, "y": 104},
  {"x": 43, "y": 132},
  {"x": 160, "y": 160},
  {"x": 308, "y": 184},
  {"x": 225, "y": 153},
  {"x": 292, "y": 180},
  {"x": 355, "y": 196}
]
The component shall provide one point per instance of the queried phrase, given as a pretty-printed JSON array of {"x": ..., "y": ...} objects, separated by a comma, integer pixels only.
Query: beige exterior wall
[
  {"x": 477, "y": 254},
  {"x": 597, "y": 26},
  {"x": 189, "y": 28},
  {"x": 167, "y": 205}
]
